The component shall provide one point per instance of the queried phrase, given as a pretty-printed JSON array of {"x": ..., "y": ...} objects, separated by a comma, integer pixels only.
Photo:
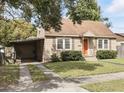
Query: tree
[
  {"x": 1, "y": 8},
  {"x": 47, "y": 13},
  {"x": 106, "y": 21},
  {"x": 13, "y": 30},
  {"x": 83, "y": 10}
]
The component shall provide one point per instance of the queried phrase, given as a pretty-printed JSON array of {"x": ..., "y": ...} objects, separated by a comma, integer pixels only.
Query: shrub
[
  {"x": 55, "y": 58},
  {"x": 71, "y": 56},
  {"x": 106, "y": 54}
]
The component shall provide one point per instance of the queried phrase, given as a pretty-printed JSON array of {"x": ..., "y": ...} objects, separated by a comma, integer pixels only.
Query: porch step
[{"x": 90, "y": 58}]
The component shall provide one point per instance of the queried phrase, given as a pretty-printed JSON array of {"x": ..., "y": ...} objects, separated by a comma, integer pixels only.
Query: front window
[
  {"x": 60, "y": 44},
  {"x": 100, "y": 44},
  {"x": 67, "y": 43},
  {"x": 63, "y": 43},
  {"x": 103, "y": 44}
]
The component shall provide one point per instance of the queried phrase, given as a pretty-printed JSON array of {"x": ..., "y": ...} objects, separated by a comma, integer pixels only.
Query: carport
[{"x": 29, "y": 50}]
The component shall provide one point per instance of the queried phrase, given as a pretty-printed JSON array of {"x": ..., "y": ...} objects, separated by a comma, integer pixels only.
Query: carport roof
[{"x": 26, "y": 40}]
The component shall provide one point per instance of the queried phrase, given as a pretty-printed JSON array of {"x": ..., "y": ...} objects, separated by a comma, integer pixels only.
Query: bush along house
[{"x": 88, "y": 37}]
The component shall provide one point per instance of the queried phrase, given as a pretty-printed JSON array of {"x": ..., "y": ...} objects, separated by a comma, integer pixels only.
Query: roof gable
[{"x": 88, "y": 34}]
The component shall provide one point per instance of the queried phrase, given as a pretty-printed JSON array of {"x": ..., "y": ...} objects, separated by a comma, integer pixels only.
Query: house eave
[
  {"x": 80, "y": 36},
  {"x": 62, "y": 35},
  {"x": 26, "y": 40}
]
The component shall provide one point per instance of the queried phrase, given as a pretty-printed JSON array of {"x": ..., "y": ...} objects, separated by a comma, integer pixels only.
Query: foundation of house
[{"x": 91, "y": 58}]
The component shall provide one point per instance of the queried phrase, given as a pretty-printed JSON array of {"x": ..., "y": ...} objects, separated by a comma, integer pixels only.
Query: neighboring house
[
  {"x": 87, "y": 37},
  {"x": 120, "y": 38},
  {"x": 120, "y": 44}
]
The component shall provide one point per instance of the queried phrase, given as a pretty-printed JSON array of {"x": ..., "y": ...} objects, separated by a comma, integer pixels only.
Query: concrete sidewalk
[
  {"x": 25, "y": 82},
  {"x": 98, "y": 78},
  {"x": 54, "y": 84},
  {"x": 57, "y": 84}
]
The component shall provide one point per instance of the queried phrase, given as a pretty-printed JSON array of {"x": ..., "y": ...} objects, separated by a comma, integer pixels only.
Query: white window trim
[
  {"x": 98, "y": 44},
  {"x": 102, "y": 44},
  {"x": 64, "y": 43},
  {"x": 57, "y": 44}
]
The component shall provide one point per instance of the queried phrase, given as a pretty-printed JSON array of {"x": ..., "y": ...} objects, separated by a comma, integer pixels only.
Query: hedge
[
  {"x": 72, "y": 56},
  {"x": 106, "y": 54},
  {"x": 55, "y": 58}
]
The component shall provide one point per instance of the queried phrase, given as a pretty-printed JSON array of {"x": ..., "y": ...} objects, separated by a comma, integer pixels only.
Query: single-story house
[{"x": 87, "y": 37}]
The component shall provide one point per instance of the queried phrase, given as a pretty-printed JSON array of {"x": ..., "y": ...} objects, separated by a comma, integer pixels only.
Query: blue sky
[{"x": 114, "y": 10}]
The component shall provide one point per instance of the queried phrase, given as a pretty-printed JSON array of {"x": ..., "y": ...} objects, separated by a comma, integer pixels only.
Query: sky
[{"x": 114, "y": 10}]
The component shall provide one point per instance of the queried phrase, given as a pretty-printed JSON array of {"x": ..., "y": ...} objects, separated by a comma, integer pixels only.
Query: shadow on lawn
[{"x": 66, "y": 66}]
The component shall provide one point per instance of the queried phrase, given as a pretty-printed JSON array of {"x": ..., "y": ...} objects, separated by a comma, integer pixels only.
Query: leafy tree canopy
[
  {"x": 13, "y": 30},
  {"x": 48, "y": 13},
  {"x": 83, "y": 10}
]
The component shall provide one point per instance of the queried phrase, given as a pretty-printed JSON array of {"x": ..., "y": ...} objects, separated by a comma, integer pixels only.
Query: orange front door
[{"x": 85, "y": 46}]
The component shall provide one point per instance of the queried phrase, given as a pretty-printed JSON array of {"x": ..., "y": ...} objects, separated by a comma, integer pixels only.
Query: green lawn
[
  {"x": 109, "y": 86},
  {"x": 75, "y": 69},
  {"x": 118, "y": 60},
  {"x": 36, "y": 73},
  {"x": 9, "y": 74}
]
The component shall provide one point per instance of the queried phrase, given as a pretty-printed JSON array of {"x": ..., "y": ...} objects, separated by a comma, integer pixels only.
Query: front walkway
[
  {"x": 25, "y": 81},
  {"x": 57, "y": 84}
]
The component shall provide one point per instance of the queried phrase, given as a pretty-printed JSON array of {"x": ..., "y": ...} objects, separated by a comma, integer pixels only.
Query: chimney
[{"x": 40, "y": 32}]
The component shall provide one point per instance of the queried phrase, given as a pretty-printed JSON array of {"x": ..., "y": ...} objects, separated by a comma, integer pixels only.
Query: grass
[
  {"x": 9, "y": 74},
  {"x": 109, "y": 86},
  {"x": 118, "y": 60},
  {"x": 36, "y": 73},
  {"x": 75, "y": 69}
]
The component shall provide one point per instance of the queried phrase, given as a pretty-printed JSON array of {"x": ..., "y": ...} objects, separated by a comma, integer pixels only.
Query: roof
[
  {"x": 77, "y": 30},
  {"x": 26, "y": 40},
  {"x": 120, "y": 36}
]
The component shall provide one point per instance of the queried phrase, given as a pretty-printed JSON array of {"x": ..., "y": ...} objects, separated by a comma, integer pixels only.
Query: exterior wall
[
  {"x": 113, "y": 44},
  {"x": 95, "y": 46},
  {"x": 119, "y": 43},
  {"x": 50, "y": 46},
  {"x": 120, "y": 50},
  {"x": 39, "y": 49},
  {"x": 77, "y": 44}
]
